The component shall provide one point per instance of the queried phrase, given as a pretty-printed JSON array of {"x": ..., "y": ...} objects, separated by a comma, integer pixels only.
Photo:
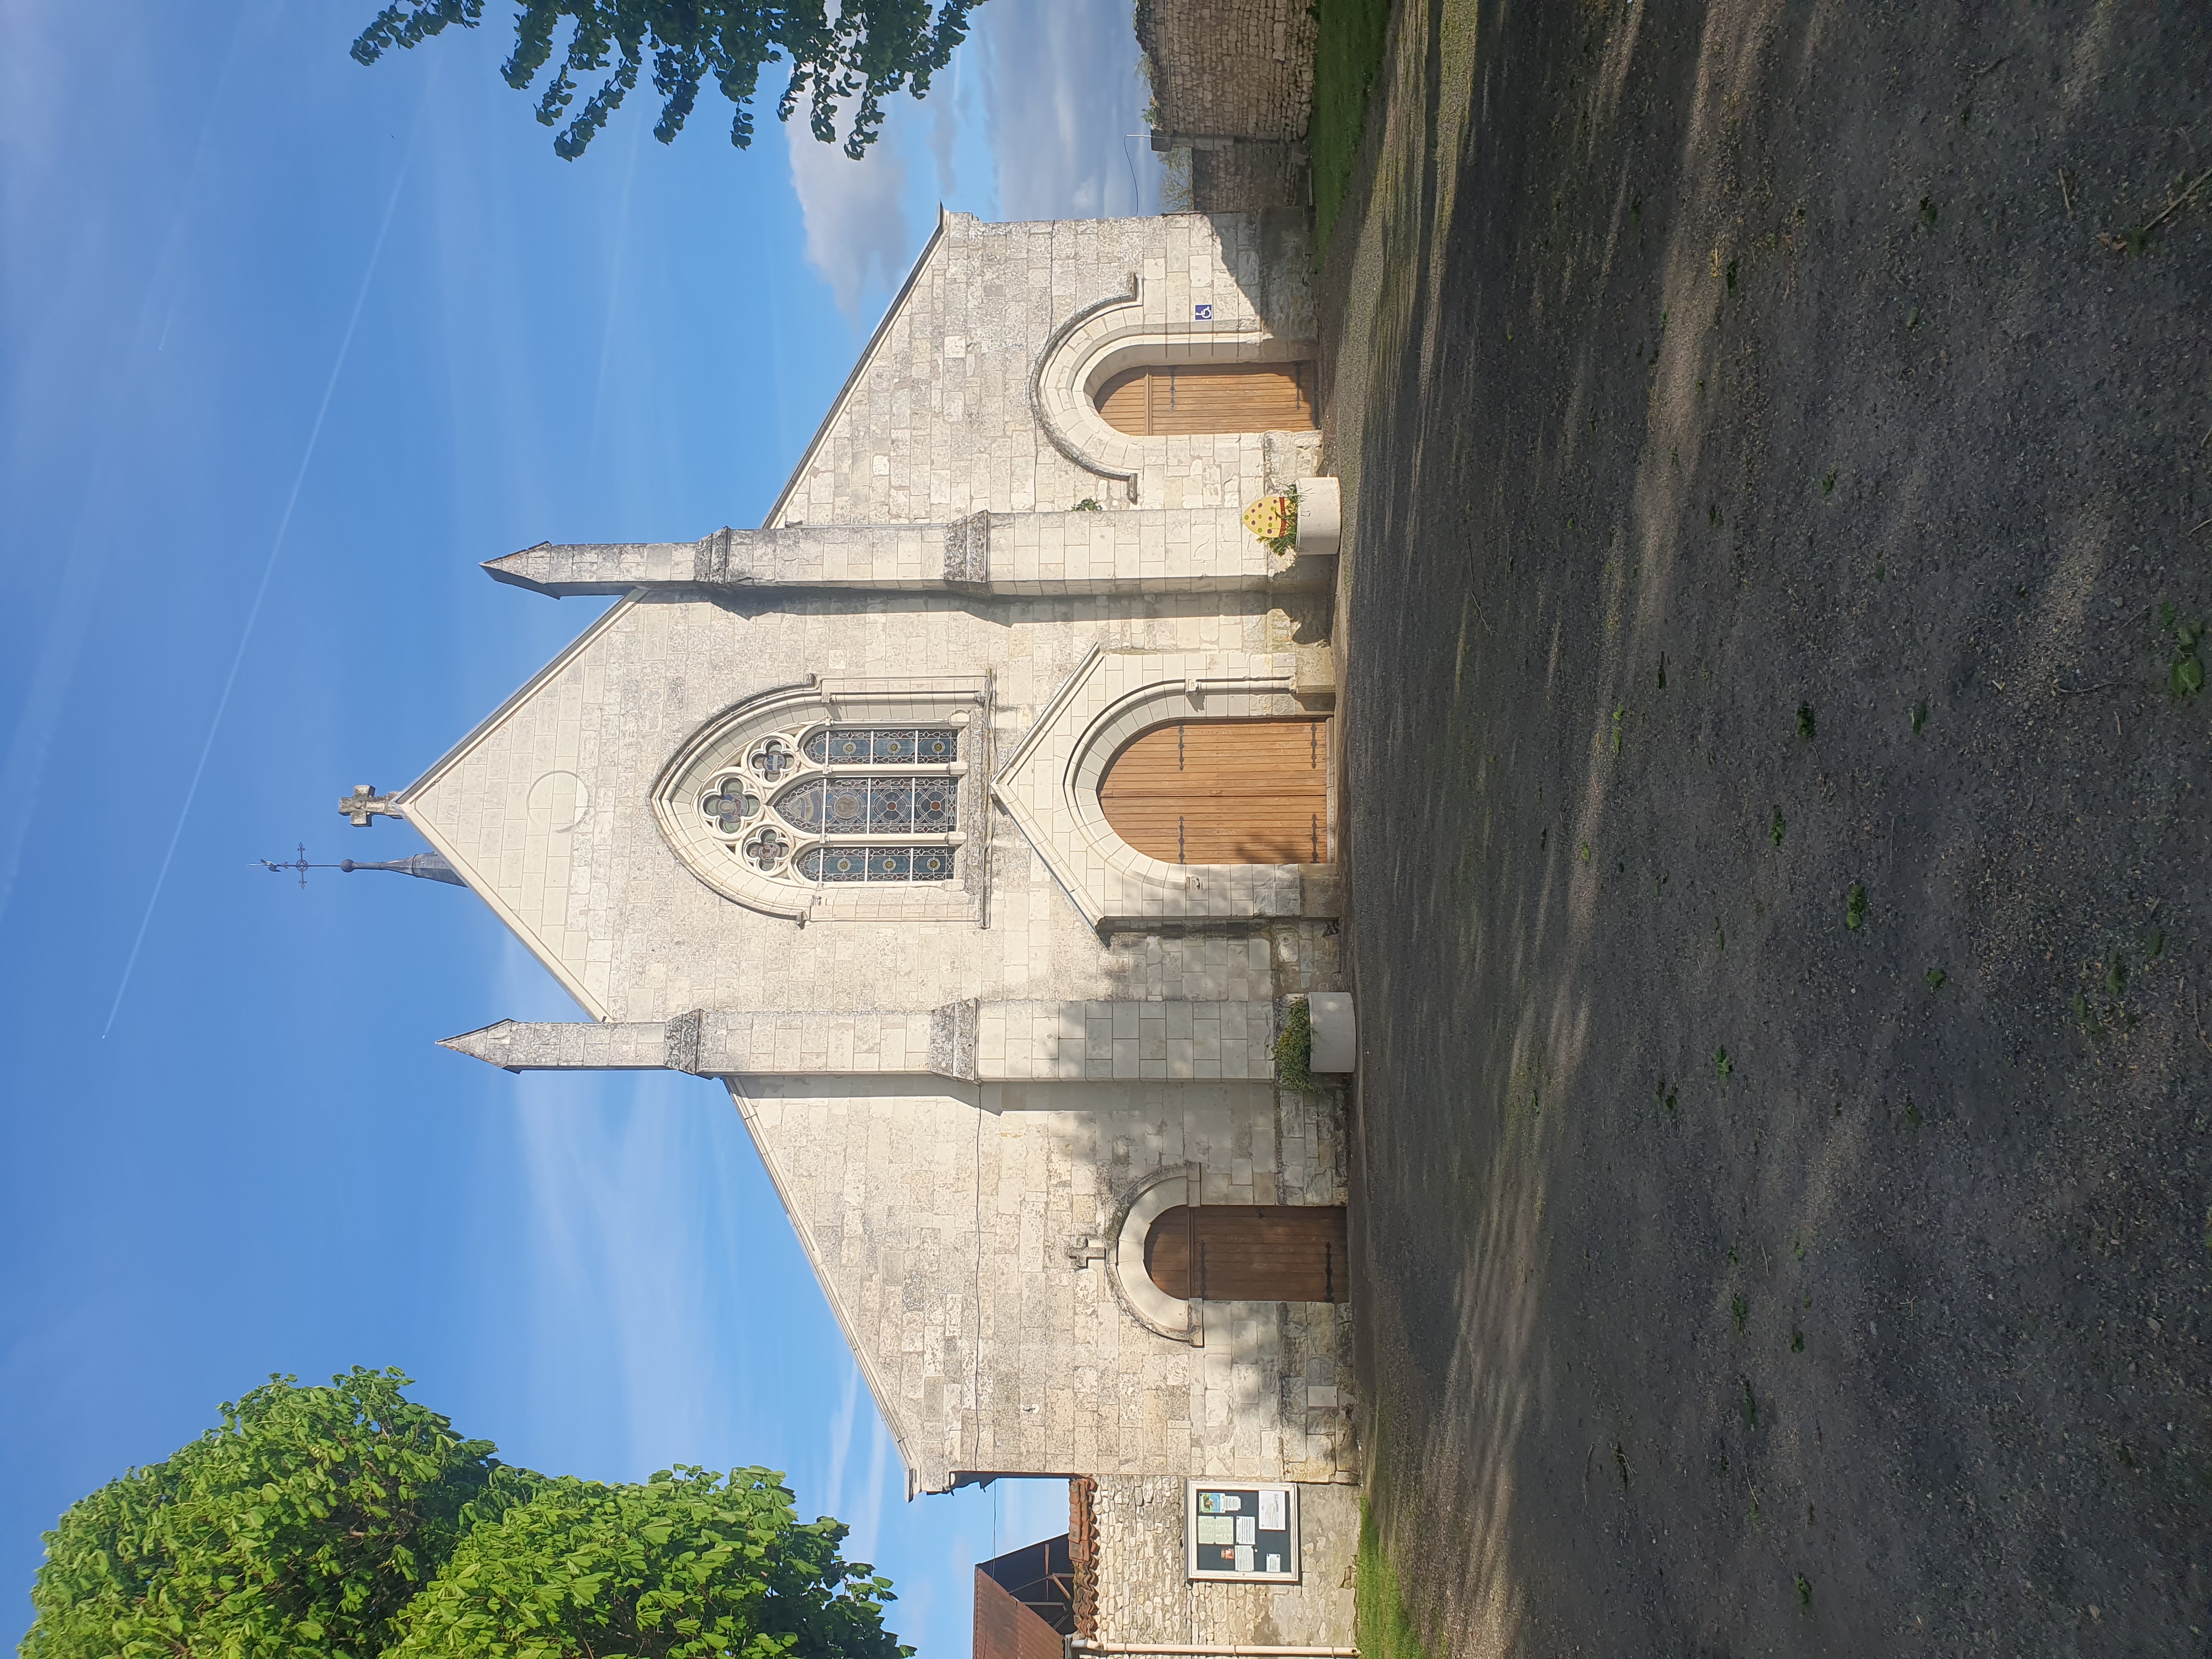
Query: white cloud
[
  {"x": 855, "y": 222},
  {"x": 1063, "y": 96},
  {"x": 841, "y": 1441}
]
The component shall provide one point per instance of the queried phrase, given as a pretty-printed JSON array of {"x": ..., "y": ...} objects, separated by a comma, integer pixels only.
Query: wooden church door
[
  {"x": 1161, "y": 400},
  {"x": 1223, "y": 792},
  {"x": 1250, "y": 1253}
]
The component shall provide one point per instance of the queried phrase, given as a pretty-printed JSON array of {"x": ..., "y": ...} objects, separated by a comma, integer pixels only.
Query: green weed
[
  {"x": 1806, "y": 724},
  {"x": 1928, "y": 213},
  {"x": 1740, "y": 1310},
  {"x": 1855, "y": 908},
  {"x": 1796, "y": 1340},
  {"x": 1779, "y": 828},
  {"x": 1936, "y": 978},
  {"x": 1723, "y": 1067},
  {"x": 1828, "y": 483},
  {"x": 2185, "y": 671},
  {"x": 1294, "y": 1049},
  {"x": 1804, "y": 1591},
  {"x": 1912, "y": 1116},
  {"x": 1919, "y": 717}
]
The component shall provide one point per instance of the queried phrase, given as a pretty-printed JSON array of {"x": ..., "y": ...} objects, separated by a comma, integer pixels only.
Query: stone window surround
[
  {"x": 1049, "y": 785},
  {"x": 1124, "y": 332},
  {"x": 847, "y": 700}
]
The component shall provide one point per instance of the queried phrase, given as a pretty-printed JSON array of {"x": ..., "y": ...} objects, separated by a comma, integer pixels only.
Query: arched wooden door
[
  {"x": 1161, "y": 400},
  {"x": 1250, "y": 1253},
  {"x": 1223, "y": 792}
]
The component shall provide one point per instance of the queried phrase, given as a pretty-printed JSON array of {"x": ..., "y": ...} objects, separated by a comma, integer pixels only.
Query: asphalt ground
[{"x": 1781, "y": 893}]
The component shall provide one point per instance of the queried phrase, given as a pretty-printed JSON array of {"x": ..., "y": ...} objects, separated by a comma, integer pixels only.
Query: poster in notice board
[{"x": 1242, "y": 1530}]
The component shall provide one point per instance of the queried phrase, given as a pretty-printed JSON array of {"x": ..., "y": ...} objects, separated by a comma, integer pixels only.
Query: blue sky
[{"x": 287, "y": 346}]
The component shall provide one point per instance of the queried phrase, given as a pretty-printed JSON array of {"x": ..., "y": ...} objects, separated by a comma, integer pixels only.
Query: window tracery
[{"x": 842, "y": 803}]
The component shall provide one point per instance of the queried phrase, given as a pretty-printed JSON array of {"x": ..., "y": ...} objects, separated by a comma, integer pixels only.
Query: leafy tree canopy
[
  {"x": 852, "y": 62},
  {"x": 351, "y": 1522},
  {"x": 303, "y": 1525},
  {"x": 691, "y": 1565}
]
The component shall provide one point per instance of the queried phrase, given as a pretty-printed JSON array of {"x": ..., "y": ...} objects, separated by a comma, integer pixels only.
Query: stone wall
[
  {"x": 1143, "y": 1594},
  {"x": 1238, "y": 69}
]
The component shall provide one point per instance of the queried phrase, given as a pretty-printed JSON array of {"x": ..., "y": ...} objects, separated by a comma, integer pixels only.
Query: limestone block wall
[
  {"x": 1142, "y": 1594},
  {"x": 942, "y": 1233},
  {"x": 936, "y": 422},
  {"x": 548, "y": 807}
]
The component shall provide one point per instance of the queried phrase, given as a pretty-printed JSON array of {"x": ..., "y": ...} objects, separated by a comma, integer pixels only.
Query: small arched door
[
  {"x": 1162, "y": 400},
  {"x": 1223, "y": 792},
  {"x": 1250, "y": 1253}
]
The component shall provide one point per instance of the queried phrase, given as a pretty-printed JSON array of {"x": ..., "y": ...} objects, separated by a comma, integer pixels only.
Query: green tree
[
  {"x": 350, "y": 1522},
  {"x": 303, "y": 1525},
  {"x": 691, "y": 1565},
  {"x": 852, "y": 62}
]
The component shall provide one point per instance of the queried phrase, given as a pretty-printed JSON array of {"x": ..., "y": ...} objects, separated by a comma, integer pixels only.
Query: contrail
[{"x": 269, "y": 567}]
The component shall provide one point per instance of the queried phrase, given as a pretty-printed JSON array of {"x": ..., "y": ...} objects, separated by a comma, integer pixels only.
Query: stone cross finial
[
  {"x": 1083, "y": 1248},
  {"x": 364, "y": 803}
]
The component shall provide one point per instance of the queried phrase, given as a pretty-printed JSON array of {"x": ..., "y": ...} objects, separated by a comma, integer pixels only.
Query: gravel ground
[{"x": 1781, "y": 885}]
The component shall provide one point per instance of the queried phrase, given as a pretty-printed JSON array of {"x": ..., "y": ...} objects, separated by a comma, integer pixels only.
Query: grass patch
[
  {"x": 1384, "y": 1628},
  {"x": 1347, "y": 54}
]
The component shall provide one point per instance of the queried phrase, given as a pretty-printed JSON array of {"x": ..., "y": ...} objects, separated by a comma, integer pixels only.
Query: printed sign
[{"x": 1242, "y": 1530}]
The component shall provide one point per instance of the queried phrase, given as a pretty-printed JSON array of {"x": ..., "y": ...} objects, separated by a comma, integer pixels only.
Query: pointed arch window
[
  {"x": 836, "y": 798},
  {"x": 842, "y": 804}
]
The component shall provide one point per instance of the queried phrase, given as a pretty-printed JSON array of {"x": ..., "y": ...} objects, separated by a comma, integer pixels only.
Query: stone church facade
[{"x": 821, "y": 811}]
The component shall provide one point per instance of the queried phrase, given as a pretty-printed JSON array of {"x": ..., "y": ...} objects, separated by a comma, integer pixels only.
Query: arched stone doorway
[
  {"x": 1223, "y": 792},
  {"x": 1250, "y": 1253}
]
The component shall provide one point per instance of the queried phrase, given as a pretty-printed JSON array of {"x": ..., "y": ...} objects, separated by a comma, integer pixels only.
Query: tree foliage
[
  {"x": 691, "y": 1565},
  {"x": 350, "y": 1522},
  {"x": 303, "y": 1524},
  {"x": 849, "y": 63}
]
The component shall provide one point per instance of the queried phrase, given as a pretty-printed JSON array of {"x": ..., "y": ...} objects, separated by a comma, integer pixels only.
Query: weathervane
[{"x": 426, "y": 867}]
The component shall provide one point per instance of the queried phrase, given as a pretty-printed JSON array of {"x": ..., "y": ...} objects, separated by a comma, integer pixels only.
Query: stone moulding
[
  {"x": 1122, "y": 331},
  {"x": 1050, "y": 786},
  {"x": 1142, "y": 1300}
]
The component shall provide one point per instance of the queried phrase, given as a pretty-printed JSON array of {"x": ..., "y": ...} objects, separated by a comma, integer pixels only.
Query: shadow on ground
[{"x": 1782, "y": 896}]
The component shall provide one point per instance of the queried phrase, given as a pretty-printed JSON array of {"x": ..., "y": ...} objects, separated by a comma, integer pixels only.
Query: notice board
[{"x": 1242, "y": 1530}]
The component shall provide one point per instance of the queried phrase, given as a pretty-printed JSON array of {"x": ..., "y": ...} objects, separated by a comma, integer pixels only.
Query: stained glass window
[{"x": 843, "y": 804}]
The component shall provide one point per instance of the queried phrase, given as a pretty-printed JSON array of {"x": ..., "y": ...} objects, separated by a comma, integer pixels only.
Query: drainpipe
[{"x": 1077, "y": 1645}]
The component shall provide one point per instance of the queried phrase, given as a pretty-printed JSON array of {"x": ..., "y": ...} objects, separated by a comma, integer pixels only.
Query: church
[{"x": 970, "y": 822}]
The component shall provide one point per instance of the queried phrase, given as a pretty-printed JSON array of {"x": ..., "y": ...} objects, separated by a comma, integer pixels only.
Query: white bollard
[
  {"x": 1335, "y": 1032},
  {"x": 1320, "y": 515}
]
